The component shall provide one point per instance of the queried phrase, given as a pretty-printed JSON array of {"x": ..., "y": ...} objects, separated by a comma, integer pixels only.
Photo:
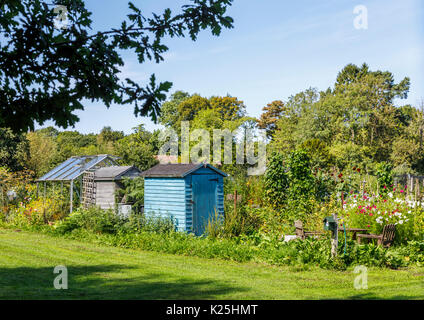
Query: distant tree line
[{"x": 356, "y": 123}]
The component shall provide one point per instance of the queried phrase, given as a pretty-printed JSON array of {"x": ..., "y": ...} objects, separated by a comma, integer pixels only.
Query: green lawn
[{"x": 27, "y": 261}]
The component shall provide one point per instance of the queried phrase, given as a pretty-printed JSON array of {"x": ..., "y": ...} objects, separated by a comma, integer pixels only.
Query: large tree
[
  {"x": 45, "y": 73},
  {"x": 14, "y": 150},
  {"x": 138, "y": 148},
  {"x": 356, "y": 121},
  {"x": 271, "y": 113}
]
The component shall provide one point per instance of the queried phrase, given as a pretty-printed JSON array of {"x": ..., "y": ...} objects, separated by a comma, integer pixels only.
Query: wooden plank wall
[
  {"x": 166, "y": 197},
  {"x": 105, "y": 194}
]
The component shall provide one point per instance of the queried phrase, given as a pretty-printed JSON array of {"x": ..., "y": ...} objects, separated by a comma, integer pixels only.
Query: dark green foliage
[
  {"x": 93, "y": 219},
  {"x": 301, "y": 180},
  {"x": 384, "y": 176},
  {"x": 138, "y": 148},
  {"x": 45, "y": 73},
  {"x": 318, "y": 152},
  {"x": 14, "y": 150},
  {"x": 101, "y": 221},
  {"x": 276, "y": 180},
  {"x": 141, "y": 223},
  {"x": 290, "y": 183},
  {"x": 133, "y": 192}
]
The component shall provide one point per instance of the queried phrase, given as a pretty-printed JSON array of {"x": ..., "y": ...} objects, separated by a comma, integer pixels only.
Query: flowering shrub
[
  {"x": 372, "y": 212},
  {"x": 15, "y": 188},
  {"x": 37, "y": 211}
]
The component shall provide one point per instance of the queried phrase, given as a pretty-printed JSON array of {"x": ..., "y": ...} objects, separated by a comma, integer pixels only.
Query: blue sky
[{"x": 276, "y": 49}]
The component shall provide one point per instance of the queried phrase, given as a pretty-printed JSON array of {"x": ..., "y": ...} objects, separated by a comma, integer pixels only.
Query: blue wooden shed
[{"x": 190, "y": 193}]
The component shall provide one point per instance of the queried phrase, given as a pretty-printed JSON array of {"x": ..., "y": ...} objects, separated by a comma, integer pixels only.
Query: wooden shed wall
[
  {"x": 105, "y": 194},
  {"x": 166, "y": 197},
  {"x": 173, "y": 197}
]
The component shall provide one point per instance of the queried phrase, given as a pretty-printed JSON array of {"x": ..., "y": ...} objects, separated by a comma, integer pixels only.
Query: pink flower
[{"x": 401, "y": 191}]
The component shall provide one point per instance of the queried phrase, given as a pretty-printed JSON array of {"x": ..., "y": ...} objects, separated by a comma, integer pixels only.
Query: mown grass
[{"x": 27, "y": 261}]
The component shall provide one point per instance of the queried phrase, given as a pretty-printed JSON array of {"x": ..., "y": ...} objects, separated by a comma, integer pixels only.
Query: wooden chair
[
  {"x": 301, "y": 233},
  {"x": 385, "y": 239}
]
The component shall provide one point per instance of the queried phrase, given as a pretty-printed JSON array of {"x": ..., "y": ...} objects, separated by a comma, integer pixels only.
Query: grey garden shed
[{"x": 108, "y": 180}]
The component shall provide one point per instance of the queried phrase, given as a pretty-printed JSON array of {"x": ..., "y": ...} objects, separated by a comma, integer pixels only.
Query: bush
[
  {"x": 384, "y": 177},
  {"x": 372, "y": 212},
  {"x": 93, "y": 219},
  {"x": 152, "y": 223},
  {"x": 100, "y": 221},
  {"x": 276, "y": 181}
]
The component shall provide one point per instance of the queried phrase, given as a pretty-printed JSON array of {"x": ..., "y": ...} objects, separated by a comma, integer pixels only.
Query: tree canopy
[
  {"x": 356, "y": 122},
  {"x": 46, "y": 72}
]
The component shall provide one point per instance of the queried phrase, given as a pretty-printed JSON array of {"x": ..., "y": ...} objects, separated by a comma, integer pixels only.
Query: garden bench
[
  {"x": 301, "y": 233},
  {"x": 385, "y": 239},
  {"x": 354, "y": 231}
]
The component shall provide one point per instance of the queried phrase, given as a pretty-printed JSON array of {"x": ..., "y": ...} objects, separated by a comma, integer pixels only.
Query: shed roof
[
  {"x": 113, "y": 173},
  {"x": 76, "y": 166},
  {"x": 179, "y": 170}
]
